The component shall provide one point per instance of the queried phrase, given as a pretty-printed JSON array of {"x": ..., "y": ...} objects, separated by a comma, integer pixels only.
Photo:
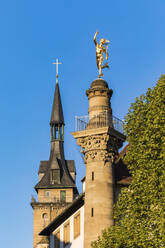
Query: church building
[{"x": 56, "y": 187}]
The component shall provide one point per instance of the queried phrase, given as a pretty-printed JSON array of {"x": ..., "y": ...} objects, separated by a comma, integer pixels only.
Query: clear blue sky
[{"x": 35, "y": 33}]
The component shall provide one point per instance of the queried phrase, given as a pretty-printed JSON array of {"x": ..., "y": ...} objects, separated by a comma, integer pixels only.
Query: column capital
[{"x": 99, "y": 147}]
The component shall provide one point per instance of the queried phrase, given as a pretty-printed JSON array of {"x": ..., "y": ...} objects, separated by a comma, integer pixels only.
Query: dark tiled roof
[
  {"x": 125, "y": 181},
  {"x": 122, "y": 175},
  {"x": 55, "y": 162},
  {"x": 57, "y": 112},
  {"x": 65, "y": 214},
  {"x": 122, "y": 153},
  {"x": 65, "y": 180},
  {"x": 71, "y": 165},
  {"x": 43, "y": 166}
]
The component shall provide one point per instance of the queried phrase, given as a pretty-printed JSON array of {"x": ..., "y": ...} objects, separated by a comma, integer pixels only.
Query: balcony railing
[{"x": 104, "y": 119}]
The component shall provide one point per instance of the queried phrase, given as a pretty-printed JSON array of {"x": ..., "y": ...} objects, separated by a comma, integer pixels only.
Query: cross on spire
[{"x": 56, "y": 63}]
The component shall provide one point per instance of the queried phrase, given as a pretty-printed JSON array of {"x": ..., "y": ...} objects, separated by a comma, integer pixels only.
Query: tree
[{"x": 140, "y": 212}]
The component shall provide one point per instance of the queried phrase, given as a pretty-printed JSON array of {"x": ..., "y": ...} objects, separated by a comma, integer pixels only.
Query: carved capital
[
  {"x": 97, "y": 148},
  {"x": 93, "y": 142},
  {"x": 100, "y": 155}
]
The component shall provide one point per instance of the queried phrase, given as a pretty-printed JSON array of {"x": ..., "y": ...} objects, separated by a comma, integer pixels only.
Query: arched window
[{"x": 45, "y": 216}]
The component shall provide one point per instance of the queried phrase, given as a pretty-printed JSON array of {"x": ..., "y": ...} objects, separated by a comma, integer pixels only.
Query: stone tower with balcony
[
  {"x": 100, "y": 136},
  {"x": 56, "y": 186}
]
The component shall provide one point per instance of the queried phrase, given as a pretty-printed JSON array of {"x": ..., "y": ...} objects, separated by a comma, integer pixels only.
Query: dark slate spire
[
  {"x": 59, "y": 173},
  {"x": 57, "y": 112}
]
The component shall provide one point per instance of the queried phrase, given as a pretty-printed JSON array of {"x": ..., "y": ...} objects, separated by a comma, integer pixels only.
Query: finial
[
  {"x": 56, "y": 63},
  {"x": 33, "y": 199},
  {"x": 101, "y": 48}
]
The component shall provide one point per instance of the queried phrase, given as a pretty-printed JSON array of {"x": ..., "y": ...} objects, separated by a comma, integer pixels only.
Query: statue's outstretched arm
[
  {"x": 94, "y": 39},
  {"x": 107, "y": 55},
  {"x": 106, "y": 48}
]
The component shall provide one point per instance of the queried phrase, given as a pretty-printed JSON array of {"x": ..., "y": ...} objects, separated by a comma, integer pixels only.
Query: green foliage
[{"x": 140, "y": 211}]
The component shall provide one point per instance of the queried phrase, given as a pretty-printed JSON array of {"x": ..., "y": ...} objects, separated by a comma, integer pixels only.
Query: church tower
[
  {"x": 100, "y": 138},
  {"x": 56, "y": 186}
]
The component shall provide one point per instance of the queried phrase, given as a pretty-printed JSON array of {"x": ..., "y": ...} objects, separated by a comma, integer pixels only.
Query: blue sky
[{"x": 35, "y": 33}]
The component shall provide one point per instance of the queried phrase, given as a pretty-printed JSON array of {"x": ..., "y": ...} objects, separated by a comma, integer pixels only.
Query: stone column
[
  {"x": 99, "y": 155},
  {"x": 99, "y": 143}
]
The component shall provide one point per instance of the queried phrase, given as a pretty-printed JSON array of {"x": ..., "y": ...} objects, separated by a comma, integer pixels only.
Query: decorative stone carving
[
  {"x": 101, "y": 155},
  {"x": 98, "y": 148}
]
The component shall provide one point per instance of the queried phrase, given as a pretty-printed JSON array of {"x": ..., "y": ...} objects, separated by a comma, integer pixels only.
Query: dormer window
[{"x": 55, "y": 176}]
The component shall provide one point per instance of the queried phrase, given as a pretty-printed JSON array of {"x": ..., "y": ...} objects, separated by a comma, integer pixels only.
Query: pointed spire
[
  {"x": 57, "y": 112},
  {"x": 58, "y": 172}
]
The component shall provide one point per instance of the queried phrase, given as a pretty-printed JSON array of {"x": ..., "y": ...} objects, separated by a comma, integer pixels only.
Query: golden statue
[{"x": 101, "y": 48}]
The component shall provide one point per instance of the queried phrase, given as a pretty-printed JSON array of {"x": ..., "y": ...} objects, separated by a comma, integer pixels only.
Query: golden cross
[{"x": 57, "y": 63}]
